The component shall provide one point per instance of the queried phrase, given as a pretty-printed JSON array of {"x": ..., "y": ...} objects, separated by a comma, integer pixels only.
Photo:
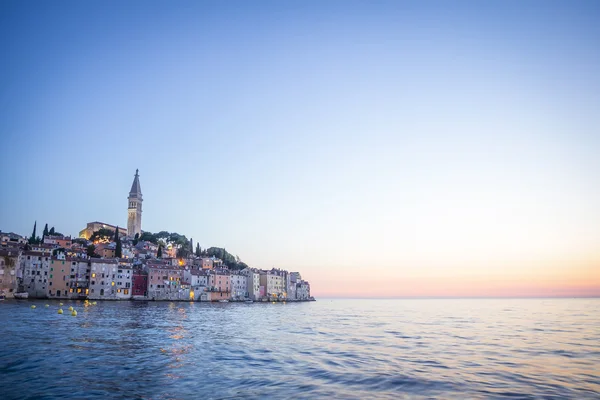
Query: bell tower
[{"x": 134, "y": 210}]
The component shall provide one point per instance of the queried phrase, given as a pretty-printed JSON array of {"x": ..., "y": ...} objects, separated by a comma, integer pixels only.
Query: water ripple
[{"x": 346, "y": 349}]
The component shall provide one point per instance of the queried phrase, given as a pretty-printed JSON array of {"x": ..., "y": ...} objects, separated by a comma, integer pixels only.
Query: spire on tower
[{"x": 136, "y": 190}]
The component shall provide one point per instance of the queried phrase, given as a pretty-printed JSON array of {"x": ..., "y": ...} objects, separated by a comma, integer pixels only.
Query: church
[
  {"x": 134, "y": 211},
  {"x": 134, "y": 214}
]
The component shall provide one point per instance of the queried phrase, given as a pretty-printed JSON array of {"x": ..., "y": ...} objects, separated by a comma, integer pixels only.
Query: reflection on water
[{"x": 537, "y": 348}]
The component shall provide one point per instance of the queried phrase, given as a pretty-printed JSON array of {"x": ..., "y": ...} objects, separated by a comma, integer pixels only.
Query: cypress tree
[
  {"x": 51, "y": 231},
  {"x": 119, "y": 249},
  {"x": 45, "y": 231},
  {"x": 198, "y": 252},
  {"x": 117, "y": 235},
  {"x": 32, "y": 238},
  {"x": 159, "y": 253}
]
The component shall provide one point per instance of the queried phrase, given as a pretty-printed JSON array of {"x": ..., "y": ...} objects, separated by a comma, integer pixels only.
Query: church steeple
[
  {"x": 136, "y": 190},
  {"x": 134, "y": 210}
]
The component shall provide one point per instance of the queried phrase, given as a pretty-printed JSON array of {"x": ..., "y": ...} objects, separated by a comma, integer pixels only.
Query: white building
[
  {"x": 124, "y": 281},
  {"x": 302, "y": 290},
  {"x": 198, "y": 281},
  {"x": 273, "y": 284},
  {"x": 239, "y": 286},
  {"x": 252, "y": 283}
]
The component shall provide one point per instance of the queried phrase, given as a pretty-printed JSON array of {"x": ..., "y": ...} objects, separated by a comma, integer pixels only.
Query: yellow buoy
[
  {"x": 94, "y": 303},
  {"x": 47, "y": 305},
  {"x": 32, "y": 306},
  {"x": 70, "y": 308},
  {"x": 74, "y": 313},
  {"x": 60, "y": 311},
  {"x": 60, "y": 304}
]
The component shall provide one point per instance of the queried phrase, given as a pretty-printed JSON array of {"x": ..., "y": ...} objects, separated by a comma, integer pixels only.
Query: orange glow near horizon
[{"x": 552, "y": 279}]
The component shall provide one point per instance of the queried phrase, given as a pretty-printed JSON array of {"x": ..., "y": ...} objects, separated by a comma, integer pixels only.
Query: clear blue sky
[{"x": 371, "y": 140}]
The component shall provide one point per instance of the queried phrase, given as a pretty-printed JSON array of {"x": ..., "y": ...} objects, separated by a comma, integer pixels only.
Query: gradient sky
[{"x": 382, "y": 148}]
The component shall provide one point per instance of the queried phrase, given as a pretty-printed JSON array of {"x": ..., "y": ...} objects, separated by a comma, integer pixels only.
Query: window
[
  {"x": 93, "y": 282},
  {"x": 126, "y": 291}
]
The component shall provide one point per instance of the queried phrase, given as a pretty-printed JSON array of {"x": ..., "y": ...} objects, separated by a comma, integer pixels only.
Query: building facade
[
  {"x": 92, "y": 227},
  {"x": 239, "y": 286},
  {"x": 102, "y": 279},
  {"x": 9, "y": 264},
  {"x": 34, "y": 269}
]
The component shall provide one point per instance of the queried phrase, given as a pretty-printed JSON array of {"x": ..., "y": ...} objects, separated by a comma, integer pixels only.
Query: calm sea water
[{"x": 346, "y": 349}]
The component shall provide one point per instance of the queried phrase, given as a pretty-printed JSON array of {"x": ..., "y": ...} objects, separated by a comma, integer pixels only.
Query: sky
[{"x": 381, "y": 148}]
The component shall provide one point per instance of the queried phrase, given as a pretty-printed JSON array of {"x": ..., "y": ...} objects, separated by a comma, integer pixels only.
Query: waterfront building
[
  {"x": 165, "y": 280},
  {"x": 219, "y": 283},
  {"x": 139, "y": 281},
  {"x": 68, "y": 277},
  {"x": 92, "y": 227},
  {"x": 272, "y": 283},
  {"x": 124, "y": 280},
  {"x": 80, "y": 277},
  {"x": 252, "y": 283},
  {"x": 102, "y": 279},
  {"x": 293, "y": 279},
  {"x": 9, "y": 264},
  {"x": 134, "y": 209},
  {"x": 302, "y": 290},
  {"x": 34, "y": 267},
  {"x": 239, "y": 286},
  {"x": 198, "y": 281}
]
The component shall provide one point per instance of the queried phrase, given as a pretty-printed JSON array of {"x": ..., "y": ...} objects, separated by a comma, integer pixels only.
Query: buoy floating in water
[
  {"x": 60, "y": 304},
  {"x": 60, "y": 311},
  {"x": 32, "y": 306},
  {"x": 94, "y": 303},
  {"x": 74, "y": 313},
  {"x": 47, "y": 305},
  {"x": 70, "y": 308}
]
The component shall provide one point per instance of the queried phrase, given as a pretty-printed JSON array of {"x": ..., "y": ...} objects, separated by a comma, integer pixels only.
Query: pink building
[{"x": 219, "y": 284}]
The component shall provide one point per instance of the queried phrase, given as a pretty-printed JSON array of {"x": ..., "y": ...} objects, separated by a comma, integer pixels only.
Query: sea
[{"x": 328, "y": 349}]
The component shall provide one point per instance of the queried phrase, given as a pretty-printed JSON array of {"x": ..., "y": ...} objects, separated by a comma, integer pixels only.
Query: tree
[
  {"x": 198, "y": 252},
  {"x": 182, "y": 252},
  {"x": 159, "y": 252},
  {"x": 119, "y": 249},
  {"x": 103, "y": 235},
  {"x": 32, "y": 238},
  {"x": 116, "y": 234},
  {"x": 91, "y": 250},
  {"x": 191, "y": 245},
  {"x": 51, "y": 232},
  {"x": 148, "y": 237},
  {"x": 45, "y": 231}
]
